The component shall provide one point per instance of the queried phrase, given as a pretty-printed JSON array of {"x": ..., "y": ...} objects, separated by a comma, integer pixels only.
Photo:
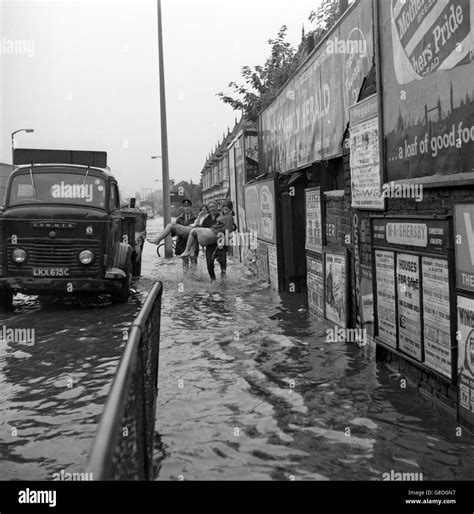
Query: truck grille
[{"x": 55, "y": 254}]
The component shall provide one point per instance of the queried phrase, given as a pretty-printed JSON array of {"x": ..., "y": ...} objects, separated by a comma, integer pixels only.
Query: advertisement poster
[
  {"x": 464, "y": 247},
  {"x": 409, "y": 320},
  {"x": 262, "y": 261},
  {"x": 366, "y": 181},
  {"x": 315, "y": 283},
  {"x": 314, "y": 232},
  {"x": 306, "y": 121},
  {"x": 427, "y": 78},
  {"x": 466, "y": 357},
  {"x": 273, "y": 266},
  {"x": 436, "y": 315},
  {"x": 385, "y": 283},
  {"x": 336, "y": 288},
  {"x": 260, "y": 210}
]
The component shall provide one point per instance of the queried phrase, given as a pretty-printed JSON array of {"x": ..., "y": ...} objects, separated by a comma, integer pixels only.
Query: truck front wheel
[
  {"x": 6, "y": 299},
  {"x": 123, "y": 295}
]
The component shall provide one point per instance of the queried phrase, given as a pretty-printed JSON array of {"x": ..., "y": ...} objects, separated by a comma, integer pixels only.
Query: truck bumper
[{"x": 59, "y": 286}]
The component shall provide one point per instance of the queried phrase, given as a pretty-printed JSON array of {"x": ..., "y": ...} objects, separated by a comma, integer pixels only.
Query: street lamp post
[
  {"x": 164, "y": 137},
  {"x": 28, "y": 131}
]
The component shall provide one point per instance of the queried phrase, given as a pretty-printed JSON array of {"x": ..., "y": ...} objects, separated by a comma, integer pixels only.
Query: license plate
[{"x": 50, "y": 272}]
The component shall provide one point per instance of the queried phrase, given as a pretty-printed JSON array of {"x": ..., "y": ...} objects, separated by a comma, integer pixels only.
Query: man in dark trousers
[
  {"x": 211, "y": 250},
  {"x": 185, "y": 219}
]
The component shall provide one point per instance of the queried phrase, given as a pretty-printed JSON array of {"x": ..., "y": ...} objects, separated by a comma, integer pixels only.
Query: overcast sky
[{"x": 87, "y": 77}]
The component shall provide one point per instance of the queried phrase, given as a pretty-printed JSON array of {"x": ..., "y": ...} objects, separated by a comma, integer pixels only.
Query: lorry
[{"x": 63, "y": 229}]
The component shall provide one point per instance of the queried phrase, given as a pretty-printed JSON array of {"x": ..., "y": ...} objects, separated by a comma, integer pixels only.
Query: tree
[
  {"x": 324, "y": 19},
  {"x": 262, "y": 83}
]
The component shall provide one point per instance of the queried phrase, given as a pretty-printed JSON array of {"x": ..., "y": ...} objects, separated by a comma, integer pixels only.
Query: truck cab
[{"x": 64, "y": 231}]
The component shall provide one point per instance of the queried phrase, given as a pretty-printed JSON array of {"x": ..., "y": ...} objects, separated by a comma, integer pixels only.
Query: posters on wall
[
  {"x": 315, "y": 283},
  {"x": 409, "y": 318},
  {"x": 466, "y": 356},
  {"x": 273, "y": 266},
  {"x": 386, "y": 314},
  {"x": 336, "y": 288},
  {"x": 262, "y": 261},
  {"x": 314, "y": 230},
  {"x": 464, "y": 246},
  {"x": 436, "y": 315},
  {"x": 427, "y": 70},
  {"x": 306, "y": 122},
  {"x": 260, "y": 210},
  {"x": 366, "y": 181}
]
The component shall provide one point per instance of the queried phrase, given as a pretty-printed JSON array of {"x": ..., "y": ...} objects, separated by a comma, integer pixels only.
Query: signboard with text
[
  {"x": 464, "y": 246},
  {"x": 465, "y": 308},
  {"x": 366, "y": 180},
  {"x": 409, "y": 318},
  {"x": 436, "y": 314},
  {"x": 260, "y": 209},
  {"x": 387, "y": 317},
  {"x": 306, "y": 121},
  {"x": 314, "y": 226},
  {"x": 427, "y": 76},
  {"x": 428, "y": 235},
  {"x": 315, "y": 284},
  {"x": 413, "y": 298},
  {"x": 335, "y": 290}
]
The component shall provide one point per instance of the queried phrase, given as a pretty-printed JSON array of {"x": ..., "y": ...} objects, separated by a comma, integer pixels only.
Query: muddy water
[{"x": 249, "y": 389}]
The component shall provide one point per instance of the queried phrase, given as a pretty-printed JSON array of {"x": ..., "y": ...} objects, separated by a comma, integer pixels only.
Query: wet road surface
[{"x": 249, "y": 389}]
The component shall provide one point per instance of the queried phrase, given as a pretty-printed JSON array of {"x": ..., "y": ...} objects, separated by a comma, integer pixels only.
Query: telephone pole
[{"x": 164, "y": 138}]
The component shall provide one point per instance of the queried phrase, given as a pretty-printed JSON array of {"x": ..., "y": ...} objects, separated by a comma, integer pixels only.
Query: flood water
[{"x": 248, "y": 389}]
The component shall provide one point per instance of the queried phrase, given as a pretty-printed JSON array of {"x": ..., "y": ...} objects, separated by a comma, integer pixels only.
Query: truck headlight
[
  {"x": 19, "y": 255},
  {"x": 86, "y": 257}
]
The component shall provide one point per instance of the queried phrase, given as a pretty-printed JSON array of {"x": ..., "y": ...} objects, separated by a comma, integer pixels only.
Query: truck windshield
[{"x": 61, "y": 188}]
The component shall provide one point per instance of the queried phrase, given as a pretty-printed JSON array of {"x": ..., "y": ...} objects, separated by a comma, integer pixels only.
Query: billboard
[
  {"x": 466, "y": 357},
  {"x": 307, "y": 120},
  {"x": 260, "y": 210},
  {"x": 464, "y": 239},
  {"x": 366, "y": 181},
  {"x": 428, "y": 88}
]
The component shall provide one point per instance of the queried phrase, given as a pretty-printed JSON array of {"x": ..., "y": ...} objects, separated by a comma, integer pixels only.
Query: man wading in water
[
  {"x": 180, "y": 228},
  {"x": 212, "y": 235}
]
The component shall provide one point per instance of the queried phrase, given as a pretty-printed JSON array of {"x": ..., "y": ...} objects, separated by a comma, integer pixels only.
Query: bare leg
[
  {"x": 190, "y": 245},
  {"x": 166, "y": 232}
]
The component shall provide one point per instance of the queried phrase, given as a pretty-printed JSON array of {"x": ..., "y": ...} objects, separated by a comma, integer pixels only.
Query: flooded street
[{"x": 248, "y": 389}]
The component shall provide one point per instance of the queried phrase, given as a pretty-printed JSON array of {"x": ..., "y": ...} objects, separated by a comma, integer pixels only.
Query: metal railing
[{"x": 123, "y": 446}]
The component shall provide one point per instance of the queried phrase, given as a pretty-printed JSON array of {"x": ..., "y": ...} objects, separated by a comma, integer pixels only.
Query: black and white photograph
[{"x": 236, "y": 256}]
